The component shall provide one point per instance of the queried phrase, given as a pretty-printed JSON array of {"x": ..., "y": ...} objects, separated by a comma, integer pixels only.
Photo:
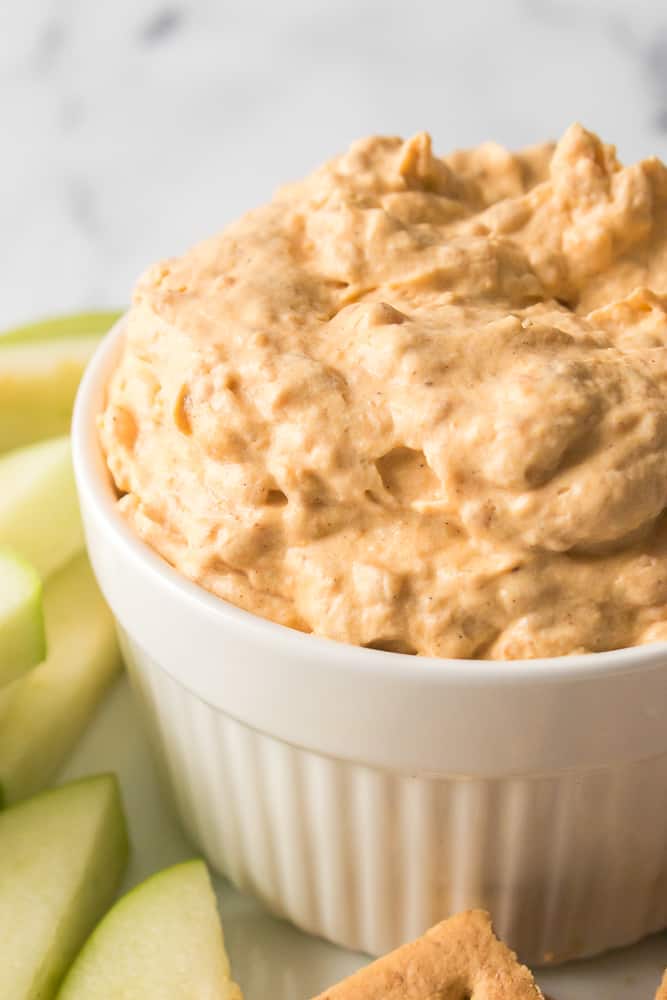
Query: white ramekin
[{"x": 364, "y": 795}]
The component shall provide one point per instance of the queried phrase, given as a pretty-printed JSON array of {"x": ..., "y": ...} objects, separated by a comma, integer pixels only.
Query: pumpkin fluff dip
[{"x": 415, "y": 403}]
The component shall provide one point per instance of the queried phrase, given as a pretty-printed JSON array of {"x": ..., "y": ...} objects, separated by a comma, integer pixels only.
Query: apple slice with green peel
[
  {"x": 90, "y": 324},
  {"x": 22, "y": 642},
  {"x": 62, "y": 855},
  {"x": 39, "y": 509},
  {"x": 43, "y": 714},
  {"x": 38, "y": 383},
  {"x": 163, "y": 939}
]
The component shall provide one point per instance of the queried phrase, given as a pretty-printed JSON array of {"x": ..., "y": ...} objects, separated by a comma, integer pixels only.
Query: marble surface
[{"x": 131, "y": 129}]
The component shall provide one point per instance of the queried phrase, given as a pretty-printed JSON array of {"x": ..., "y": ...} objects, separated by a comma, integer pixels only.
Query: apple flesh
[
  {"x": 92, "y": 324},
  {"x": 40, "y": 368},
  {"x": 39, "y": 509},
  {"x": 44, "y": 713},
  {"x": 38, "y": 383},
  {"x": 62, "y": 855},
  {"x": 163, "y": 939},
  {"x": 22, "y": 641}
]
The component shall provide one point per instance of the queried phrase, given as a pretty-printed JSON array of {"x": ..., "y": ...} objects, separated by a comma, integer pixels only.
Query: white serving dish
[
  {"x": 365, "y": 795},
  {"x": 270, "y": 958}
]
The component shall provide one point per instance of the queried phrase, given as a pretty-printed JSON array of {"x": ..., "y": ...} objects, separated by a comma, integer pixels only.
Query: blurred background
[{"x": 132, "y": 128}]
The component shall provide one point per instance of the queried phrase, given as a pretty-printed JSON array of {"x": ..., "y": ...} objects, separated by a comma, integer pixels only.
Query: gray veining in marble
[{"x": 165, "y": 21}]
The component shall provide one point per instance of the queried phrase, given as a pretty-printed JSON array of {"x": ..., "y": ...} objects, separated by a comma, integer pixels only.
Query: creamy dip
[{"x": 414, "y": 403}]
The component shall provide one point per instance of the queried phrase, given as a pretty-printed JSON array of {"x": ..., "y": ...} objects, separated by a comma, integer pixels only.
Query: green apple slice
[
  {"x": 163, "y": 939},
  {"x": 39, "y": 509},
  {"x": 38, "y": 383},
  {"x": 91, "y": 324},
  {"x": 43, "y": 714},
  {"x": 62, "y": 855},
  {"x": 22, "y": 642}
]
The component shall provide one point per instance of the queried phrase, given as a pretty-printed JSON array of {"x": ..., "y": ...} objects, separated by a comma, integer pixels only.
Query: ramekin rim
[{"x": 403, "y": 666}]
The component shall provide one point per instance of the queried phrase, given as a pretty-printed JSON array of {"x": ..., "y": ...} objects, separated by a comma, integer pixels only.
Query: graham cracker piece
[
  {"x": 662, "y": 989},
  {"x": 458, "y": 959}
]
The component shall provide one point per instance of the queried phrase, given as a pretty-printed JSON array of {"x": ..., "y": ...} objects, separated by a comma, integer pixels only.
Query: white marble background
[{"x": 131, "y": 128}]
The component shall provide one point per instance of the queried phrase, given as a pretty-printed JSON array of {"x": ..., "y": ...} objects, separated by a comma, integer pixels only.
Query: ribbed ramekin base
[{"x": 569, "y": 865}]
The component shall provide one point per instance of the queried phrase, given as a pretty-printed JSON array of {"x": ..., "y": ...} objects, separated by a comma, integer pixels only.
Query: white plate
[{"x": 270, "y": 958}]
